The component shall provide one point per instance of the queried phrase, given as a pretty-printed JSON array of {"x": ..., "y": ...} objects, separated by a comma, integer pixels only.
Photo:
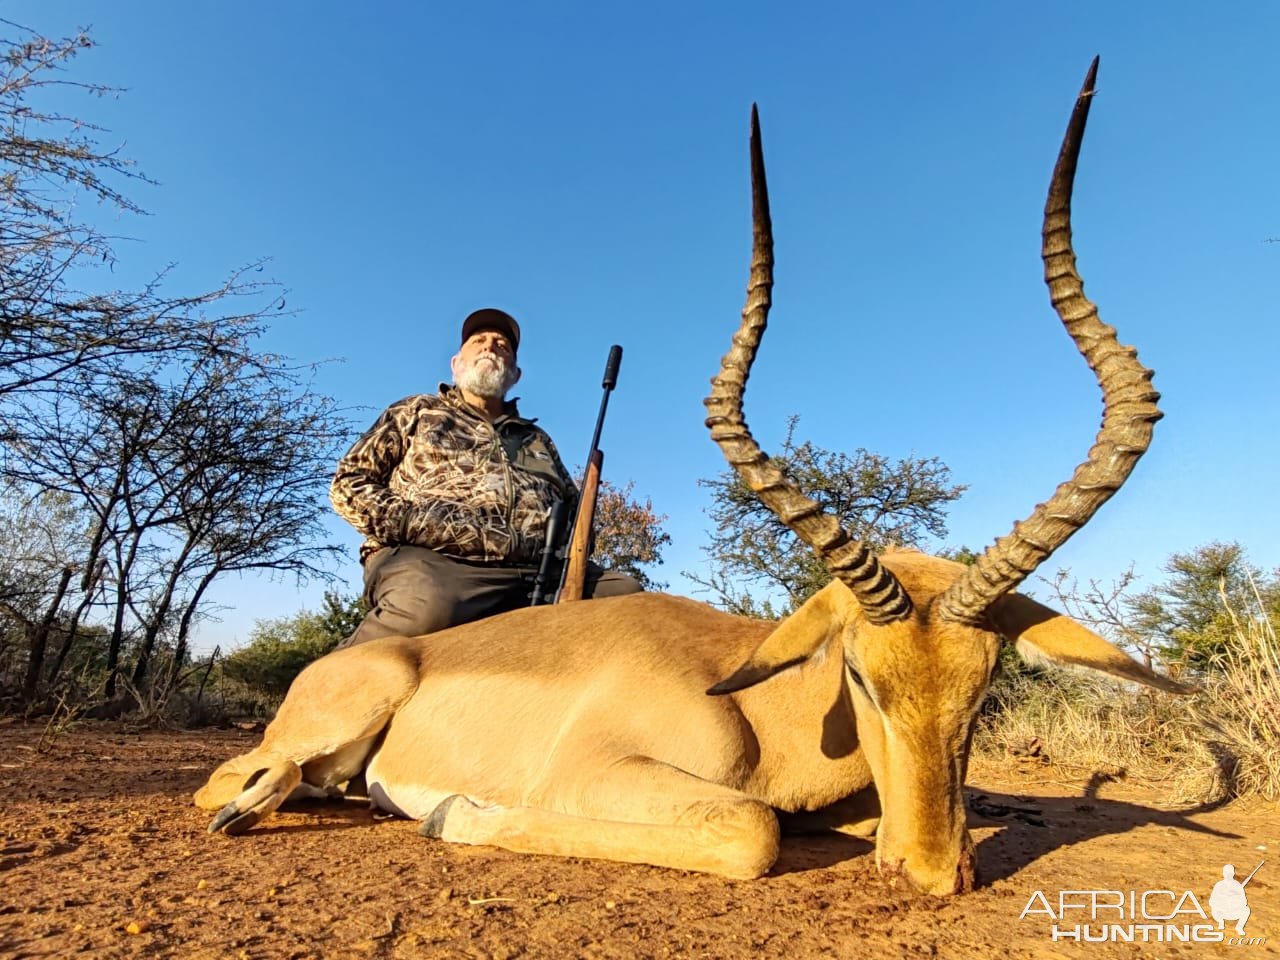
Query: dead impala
[{"x": 586, "y": 729}]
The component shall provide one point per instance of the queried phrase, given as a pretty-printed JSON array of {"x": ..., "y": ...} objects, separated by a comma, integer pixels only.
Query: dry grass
[
  {"x": 1222, "y": 744},
  {"x": 1242, "y": 707},
  {"x": 1088, "y": 725}
]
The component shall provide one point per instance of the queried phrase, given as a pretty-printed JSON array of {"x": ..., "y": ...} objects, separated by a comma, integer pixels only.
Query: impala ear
[
  {"x": 796, "y": 639},
  {"x": 1041, "y": 633}
]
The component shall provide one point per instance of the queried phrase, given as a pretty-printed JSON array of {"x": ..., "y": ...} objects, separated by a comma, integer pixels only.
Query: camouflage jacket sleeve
[{"x": 360, "y": 492}]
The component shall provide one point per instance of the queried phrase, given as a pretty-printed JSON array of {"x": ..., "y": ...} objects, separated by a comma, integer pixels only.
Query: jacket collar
[{"x": 453, "y": 396}]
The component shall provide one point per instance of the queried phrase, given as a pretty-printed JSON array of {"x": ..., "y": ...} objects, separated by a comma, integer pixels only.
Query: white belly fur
[{"x": 412, "y": 802}]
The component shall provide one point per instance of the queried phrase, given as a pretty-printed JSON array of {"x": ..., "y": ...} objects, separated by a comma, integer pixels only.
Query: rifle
[{"x": 573, "y": 580}]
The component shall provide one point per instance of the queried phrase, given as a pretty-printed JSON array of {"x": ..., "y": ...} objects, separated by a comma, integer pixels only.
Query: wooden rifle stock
[
  {"x": 574, "y": 581},
  {"x": 575, "y": 574}
]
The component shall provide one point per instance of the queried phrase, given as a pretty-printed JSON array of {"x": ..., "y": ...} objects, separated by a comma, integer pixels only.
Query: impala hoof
[
  {"x": 266, "y": 791},
  {"x": 233, "y": 821}
]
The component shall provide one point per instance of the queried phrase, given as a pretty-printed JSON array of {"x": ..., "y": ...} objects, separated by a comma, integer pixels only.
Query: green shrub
[{"x": 279, "y": 649}]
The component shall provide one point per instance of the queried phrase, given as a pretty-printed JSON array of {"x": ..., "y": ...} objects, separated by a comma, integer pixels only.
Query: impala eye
[{"x": 854, "y": 675}]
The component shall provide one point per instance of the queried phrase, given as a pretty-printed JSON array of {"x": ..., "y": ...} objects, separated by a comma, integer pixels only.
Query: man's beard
[{"x": 490, "y": 380}]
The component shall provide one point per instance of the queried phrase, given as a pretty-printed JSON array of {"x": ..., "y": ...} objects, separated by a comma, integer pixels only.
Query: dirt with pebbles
[{"x": 102, "y": 854}]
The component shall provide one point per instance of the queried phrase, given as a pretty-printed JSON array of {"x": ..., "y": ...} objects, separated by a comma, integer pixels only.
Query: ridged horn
[
  {"x": 881, "y": 596},
  {"x": 1129, "y": 408}
]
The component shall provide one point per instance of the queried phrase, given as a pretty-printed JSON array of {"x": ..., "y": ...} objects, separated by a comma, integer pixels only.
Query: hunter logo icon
[{"x": 1228, "y": 900}]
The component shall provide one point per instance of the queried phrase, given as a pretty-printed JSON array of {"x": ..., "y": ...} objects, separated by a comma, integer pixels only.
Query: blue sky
[{"x": 585, "y": 167}]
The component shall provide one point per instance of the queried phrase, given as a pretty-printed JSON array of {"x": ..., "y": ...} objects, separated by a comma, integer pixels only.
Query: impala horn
[
  {"x": 877, "y": 590},
  {"x": 1128, "y": 418}
]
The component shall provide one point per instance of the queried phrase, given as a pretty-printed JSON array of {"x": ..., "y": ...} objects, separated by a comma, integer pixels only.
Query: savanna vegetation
[
  {"x": 148, "y": 444},
  {"x": 1210, "y": 621}
]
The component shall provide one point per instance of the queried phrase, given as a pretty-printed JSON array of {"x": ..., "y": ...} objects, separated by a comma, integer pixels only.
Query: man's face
[{"x": 486, "y": 364}]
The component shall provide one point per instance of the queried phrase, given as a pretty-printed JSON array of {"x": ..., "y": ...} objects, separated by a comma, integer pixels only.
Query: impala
[{"x": 654, "y": 729}]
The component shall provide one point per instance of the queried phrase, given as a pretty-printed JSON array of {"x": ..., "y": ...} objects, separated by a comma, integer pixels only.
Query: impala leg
[
  {"x": 326, "y": 726},
  {"x": 636, "y": 811}
]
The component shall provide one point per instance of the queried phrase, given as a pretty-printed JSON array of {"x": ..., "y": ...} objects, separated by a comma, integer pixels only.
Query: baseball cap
[{"x": 490, "y": 318}]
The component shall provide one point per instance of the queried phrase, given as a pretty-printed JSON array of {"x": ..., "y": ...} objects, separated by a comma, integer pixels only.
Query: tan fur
[{"x": 586, "y": 729}]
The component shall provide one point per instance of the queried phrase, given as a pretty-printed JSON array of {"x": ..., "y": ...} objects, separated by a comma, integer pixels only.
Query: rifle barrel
[{"x": 608, "y": 382}]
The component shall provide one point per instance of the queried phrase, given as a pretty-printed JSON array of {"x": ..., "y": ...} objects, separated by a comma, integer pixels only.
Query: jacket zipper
[{"x": 497, "y": 450}]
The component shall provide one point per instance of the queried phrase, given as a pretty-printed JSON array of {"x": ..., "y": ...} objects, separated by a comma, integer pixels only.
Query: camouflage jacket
[{"x": 433, "y": 472}]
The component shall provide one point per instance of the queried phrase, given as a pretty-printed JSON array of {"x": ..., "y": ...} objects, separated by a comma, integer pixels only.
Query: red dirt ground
[{"x": 102, "y": 854}]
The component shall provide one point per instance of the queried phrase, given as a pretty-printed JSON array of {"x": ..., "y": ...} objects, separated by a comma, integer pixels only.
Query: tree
[
  {"x": 49, "y": 163},
  {"x": 41, "y": 539},
  {"x": 1190, "y": 616},
  {"x": 189, "y": 452},
  {"x": 883, "y": 502},
  {"x": 629, "y": 534},
  {"x": 220, "y": 471}
]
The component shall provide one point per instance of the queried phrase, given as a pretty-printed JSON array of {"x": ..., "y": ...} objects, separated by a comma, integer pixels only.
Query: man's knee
[
  {"x": 611, "y": 583},
  {"x": 405, "y": 616},
  {"x": 413, "y": 612},
  {"x": 411, "y": 591}
]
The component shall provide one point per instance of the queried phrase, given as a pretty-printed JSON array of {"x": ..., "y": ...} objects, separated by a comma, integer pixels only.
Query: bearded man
[{"x": 452, "y": 492}]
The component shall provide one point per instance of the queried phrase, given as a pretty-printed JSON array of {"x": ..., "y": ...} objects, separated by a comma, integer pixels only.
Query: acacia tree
[
  {"x": 191, "y": 453},
  {"x": 222, "y": 471},
  {"x": 1190, "y": 617},
  {"x": 41, "y": 540},
  {"x": 884, "y": 502},
  {"x": 252, "y": 486},
  {"x": 50, "y": 162}
]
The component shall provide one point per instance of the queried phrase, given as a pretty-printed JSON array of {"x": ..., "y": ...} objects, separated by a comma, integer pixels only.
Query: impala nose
[{"x": 941, "y": 873}]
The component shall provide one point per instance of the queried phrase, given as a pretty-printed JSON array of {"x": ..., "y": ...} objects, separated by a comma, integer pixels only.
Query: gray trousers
[{"x": 413, "y": 590}]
